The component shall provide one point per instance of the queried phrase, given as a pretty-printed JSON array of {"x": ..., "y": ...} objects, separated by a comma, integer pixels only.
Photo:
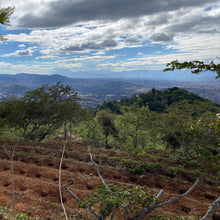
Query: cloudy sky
[{"x": 108, "y": 36}]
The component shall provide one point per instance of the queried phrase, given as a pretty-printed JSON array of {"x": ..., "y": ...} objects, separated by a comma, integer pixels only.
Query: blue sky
[{"x": 108, "y": 37}]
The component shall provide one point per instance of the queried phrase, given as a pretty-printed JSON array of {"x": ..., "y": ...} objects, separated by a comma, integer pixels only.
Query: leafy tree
[
  {"x": 195, "y": 66},
  {"x": 5, "y": 14},
  {"x": 187, "y": 125},
  {"x": 106, "y": 120},
  {"x": 81, "y": 115},
  {"x": 91, "y": 131},
  {"x": 156, "y": 100},
  {"x": 40, "y": 111},
  {"x": 133, "y": 125}
]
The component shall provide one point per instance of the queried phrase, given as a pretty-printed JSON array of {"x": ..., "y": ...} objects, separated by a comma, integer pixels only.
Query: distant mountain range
[{"x": 94, "y": 91}]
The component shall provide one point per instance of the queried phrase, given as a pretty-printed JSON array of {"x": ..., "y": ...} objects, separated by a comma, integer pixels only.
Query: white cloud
[
  {"x": 8, "y": 68},
  {"x": 184, "y": 28},
  {"x": 21, "y": 46},
  {"x": 20, "y": 53}
]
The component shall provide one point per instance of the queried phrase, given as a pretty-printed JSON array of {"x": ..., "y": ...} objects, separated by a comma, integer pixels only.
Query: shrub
[{"x": 5, "y": 214}]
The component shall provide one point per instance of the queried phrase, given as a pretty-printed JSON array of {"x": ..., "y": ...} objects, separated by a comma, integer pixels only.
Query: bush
[
  {"x": 173, "y": 171},
  {"x": 5, "y": 214}
]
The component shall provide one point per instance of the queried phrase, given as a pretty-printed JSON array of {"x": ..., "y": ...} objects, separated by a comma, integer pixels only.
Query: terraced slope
[{"x": 36, "y": 180}]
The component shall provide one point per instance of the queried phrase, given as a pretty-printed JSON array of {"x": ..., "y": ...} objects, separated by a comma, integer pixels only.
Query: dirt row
[{"x": 37, "y": 192}]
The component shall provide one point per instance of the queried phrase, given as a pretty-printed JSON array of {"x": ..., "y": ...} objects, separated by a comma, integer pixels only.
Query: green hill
[{"x": 156, "y": 100}]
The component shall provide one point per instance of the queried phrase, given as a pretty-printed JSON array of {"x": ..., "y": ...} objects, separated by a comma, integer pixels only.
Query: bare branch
[
  {"x": 97, "y": 170},
  {"x": 113, "y": 213},
  {"x": 69, "y": 191},
  {"x": 158, "y": 196},
  {"x": 98, "y": 217},
  {"x": 125, "y": 210},
  {"x": 11, "y": 154},
  {"x": 149, "y": 208},
  {"x": 212, "y": 210},
  {"x": 60, "y": 191},
  {"x": 182, "y": 195}
]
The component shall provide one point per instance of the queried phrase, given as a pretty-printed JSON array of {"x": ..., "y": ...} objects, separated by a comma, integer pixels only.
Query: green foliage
[
  {"x": 40, "y": 111},
  {"x": 188, "y": 126},
  {"x": 99, "y": 130},
  {"x": 156, "y": 100},
  {"x": 106, "y": 120},
  {"x": 173, "y": 171},
  {"x": 22, "y": 216},
  {"x": 91, "y": 131},
  {"x": 140, "y": 167},
  {"x": 195, "y": 66},
  {"x": 5, "y": 214},
  {"x": 133, "y": 126},
  {"x": 5, "y": 14},
  {"x": 115, "y": 197}
]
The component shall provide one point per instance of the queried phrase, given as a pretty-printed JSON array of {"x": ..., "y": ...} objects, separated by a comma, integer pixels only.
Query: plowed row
[{"x": 36, "y": 181}]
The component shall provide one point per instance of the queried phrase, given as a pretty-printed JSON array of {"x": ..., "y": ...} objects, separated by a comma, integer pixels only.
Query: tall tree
[
  {"x": 106, "y": 119},
  {"x": 187, "y": 125},
  {"x": 133, "y": 125}
]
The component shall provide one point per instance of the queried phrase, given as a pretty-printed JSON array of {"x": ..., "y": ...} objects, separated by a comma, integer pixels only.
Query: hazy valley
[{"x": 93, "y": 92}]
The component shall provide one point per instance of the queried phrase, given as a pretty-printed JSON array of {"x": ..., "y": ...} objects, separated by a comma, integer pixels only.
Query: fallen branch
[
  {"x": 149, "y": 208},
  {"x": 212, "y": 210},
  {"x": 98, "y": 217},
  {"x": 125, "y": 207},
  {"x": 97, "y": 170}
]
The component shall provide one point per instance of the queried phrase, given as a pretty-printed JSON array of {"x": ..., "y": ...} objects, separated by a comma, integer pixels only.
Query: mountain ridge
[{"x": 93, "y": 91}]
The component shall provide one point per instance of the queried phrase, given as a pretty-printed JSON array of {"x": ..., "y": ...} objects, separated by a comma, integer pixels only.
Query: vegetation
[
  {"x": 156, "y": 100},
  {"x": 195, "y": 67},
  {"x": 158, "y": 120},
  {"x": 110, "y": 198},
  {"x": 5, "y": 14},
  {"x": 40, "y": 112},
  {"x": 180, "y": 120},
  {"x": 5, "y": 214}
]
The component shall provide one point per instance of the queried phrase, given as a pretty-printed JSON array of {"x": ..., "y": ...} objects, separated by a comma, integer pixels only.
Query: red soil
[{"x": 36, "y": 182}]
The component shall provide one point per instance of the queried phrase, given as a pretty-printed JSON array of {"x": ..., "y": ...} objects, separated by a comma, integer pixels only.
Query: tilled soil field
[{"x": 36, "y": 169}]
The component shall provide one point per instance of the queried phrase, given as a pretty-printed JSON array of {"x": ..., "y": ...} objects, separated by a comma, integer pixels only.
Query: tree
[
  {"x": 106, "y": 120},
  {"x": 111, "y": 198},
  {"x": 5, "y": 14},
  {"x": 91, "y": 131},
  {"x": 195, "y": 66},
  {"x": 187, "y": 125},
  {"x": 40, "y": 111},
  {"x": 133, "y": 125}
]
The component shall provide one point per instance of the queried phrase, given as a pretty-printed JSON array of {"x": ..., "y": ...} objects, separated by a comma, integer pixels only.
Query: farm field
[{"x": 36, "y": 168}]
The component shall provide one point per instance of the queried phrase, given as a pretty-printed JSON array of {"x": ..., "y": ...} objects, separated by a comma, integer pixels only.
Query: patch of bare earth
[{"x": 36, "y": 182}]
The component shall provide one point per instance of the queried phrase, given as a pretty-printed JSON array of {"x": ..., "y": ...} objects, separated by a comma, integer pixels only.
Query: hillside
[
  {"x": 167, "y": 148},
  {"x": 156, "y": 100},
  {"x": 36, "y": 180},
  {"x": 94, "y": 91}
]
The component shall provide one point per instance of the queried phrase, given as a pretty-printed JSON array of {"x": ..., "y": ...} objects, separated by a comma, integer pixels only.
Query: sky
[{"x": 108, "y": 37}]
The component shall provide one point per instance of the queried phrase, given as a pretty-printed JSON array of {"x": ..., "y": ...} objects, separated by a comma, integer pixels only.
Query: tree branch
[
  {"x": 97, "y": 170},
  {"x": 149, "y": 208},
  {"x": 60, "y": 168},
  {"x": 182, "y": 195},
  {"x": 98, "y": 217},
  {"x": 212, "y": 210}
]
